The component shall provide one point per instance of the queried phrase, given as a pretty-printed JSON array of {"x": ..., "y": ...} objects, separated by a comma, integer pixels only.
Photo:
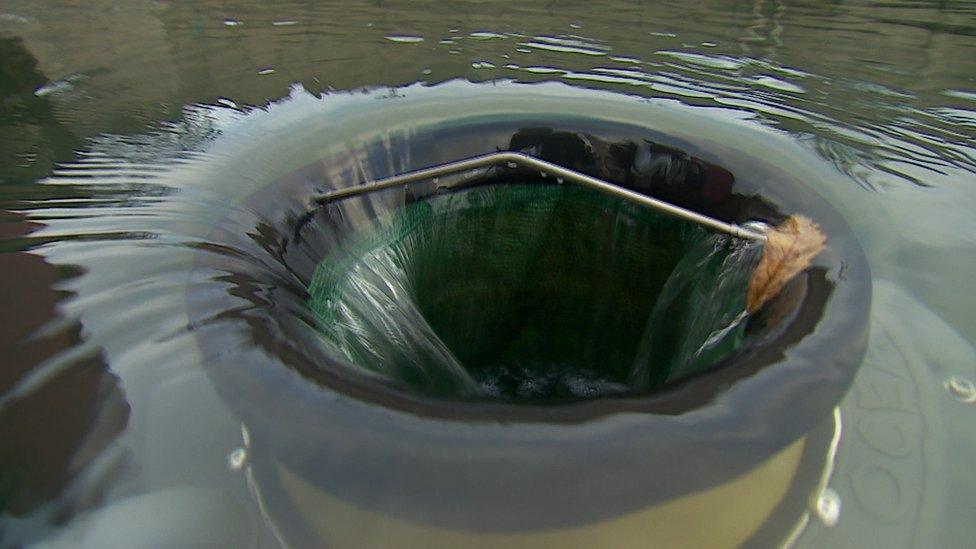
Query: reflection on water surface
[{"x": 127, "y": 131}]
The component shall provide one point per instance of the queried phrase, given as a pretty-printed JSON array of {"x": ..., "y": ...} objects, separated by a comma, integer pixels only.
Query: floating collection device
[{"x": 740, "y": 441}]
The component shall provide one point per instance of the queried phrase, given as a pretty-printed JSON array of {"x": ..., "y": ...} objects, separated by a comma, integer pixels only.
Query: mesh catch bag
[{"x": 525, "y": 292}]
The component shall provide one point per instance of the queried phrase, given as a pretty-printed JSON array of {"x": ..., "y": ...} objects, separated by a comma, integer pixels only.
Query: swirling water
[{"x": 131, "y": 131}]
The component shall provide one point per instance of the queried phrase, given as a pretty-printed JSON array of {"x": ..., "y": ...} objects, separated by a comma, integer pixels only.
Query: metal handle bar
[{"x": 527, "y": 161}]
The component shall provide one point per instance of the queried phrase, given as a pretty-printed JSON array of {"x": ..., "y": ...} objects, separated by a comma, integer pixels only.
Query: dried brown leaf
[{"x": 789, "y": 249}]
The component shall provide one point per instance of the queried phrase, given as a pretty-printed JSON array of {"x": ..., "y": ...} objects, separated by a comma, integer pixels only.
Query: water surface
[{"x": 127, "y": 131}]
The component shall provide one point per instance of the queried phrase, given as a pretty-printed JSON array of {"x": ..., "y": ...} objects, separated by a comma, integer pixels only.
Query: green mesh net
[{"x": 526, "y": 291}]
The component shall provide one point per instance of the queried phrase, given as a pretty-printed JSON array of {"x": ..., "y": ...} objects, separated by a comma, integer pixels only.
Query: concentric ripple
[{"x": 134, "y": 144}]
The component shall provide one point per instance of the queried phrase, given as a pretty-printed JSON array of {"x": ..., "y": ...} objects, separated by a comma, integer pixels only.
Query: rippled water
[{"x": 135, "y": 136}]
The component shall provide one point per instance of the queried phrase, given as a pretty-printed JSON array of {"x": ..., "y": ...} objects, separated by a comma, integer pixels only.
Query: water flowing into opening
[{"x": 532, "y": 292}]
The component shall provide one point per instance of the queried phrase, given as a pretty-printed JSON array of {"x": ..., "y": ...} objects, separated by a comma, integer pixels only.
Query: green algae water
[
  {"x": 533, "y": 292},
  {"x": 699, "y": 317},
  {"x": 157, "y": 161}
]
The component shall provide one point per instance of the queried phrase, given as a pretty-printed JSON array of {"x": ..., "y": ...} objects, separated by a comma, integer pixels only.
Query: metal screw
[
  {"x": 828, "y": 507},
  {"x": 237, "y": 459},
  {"x": 961, "y": 388}
]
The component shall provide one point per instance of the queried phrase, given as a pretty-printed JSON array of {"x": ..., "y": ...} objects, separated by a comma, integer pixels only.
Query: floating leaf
[{"x": 789, "y": 249}]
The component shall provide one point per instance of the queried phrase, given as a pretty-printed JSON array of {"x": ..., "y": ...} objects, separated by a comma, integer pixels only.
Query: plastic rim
[{"x": 431, "y": 455}]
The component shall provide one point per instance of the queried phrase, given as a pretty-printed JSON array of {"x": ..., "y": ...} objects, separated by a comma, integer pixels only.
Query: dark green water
[
  {"x": 128, "y": 129},
  {"x": 532, "y": 292}
]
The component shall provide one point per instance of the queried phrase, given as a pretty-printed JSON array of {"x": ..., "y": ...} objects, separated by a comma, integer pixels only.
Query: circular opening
[
  {"x": 758, "y": 392},
  {"x": 312, "y": 250},
  {"x": 531, "y": 291}
]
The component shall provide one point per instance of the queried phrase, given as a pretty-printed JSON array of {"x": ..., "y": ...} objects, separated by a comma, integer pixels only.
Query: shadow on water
[{"x": 61, "y": 406}]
